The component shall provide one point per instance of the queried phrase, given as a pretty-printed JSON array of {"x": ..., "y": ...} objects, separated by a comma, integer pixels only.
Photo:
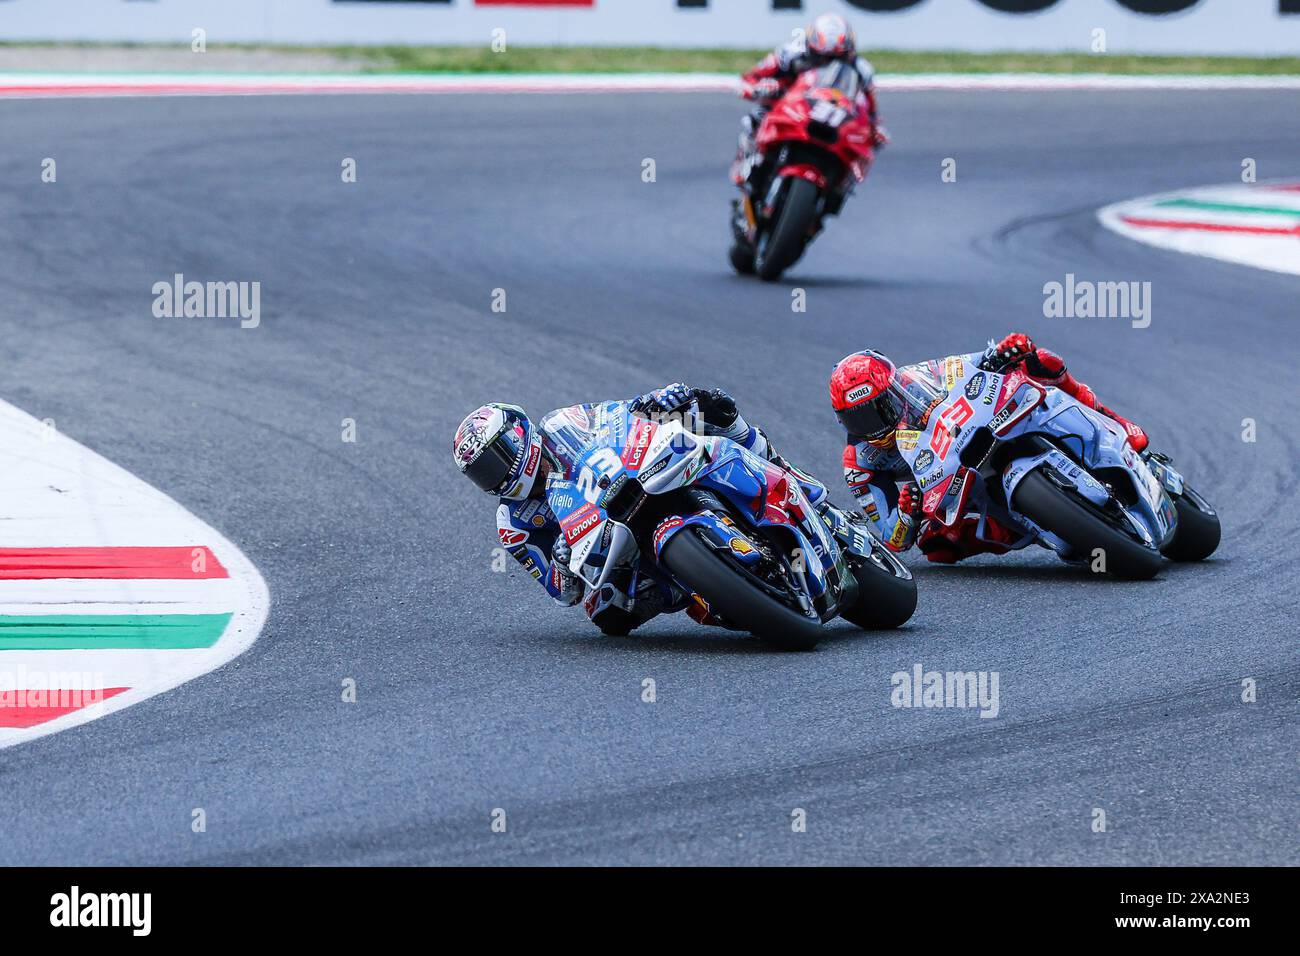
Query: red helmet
[{"x": 866, "y": 395}]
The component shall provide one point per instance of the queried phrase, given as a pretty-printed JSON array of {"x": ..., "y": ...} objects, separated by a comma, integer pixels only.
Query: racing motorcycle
[
  {"x": 729, "y": 527},
  {"x": 1060, "y": 473},
  {"x": 812, "y": 148}
]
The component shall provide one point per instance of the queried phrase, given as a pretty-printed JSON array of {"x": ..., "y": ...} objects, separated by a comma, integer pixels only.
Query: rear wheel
[
  {"x": 1197, "y": 535},
  {"x": 1084, "y": 527},
  {"x": 730, "y": 594},
  {"x": 886, "y": 592},
  {"x": 782, "y": 243}
]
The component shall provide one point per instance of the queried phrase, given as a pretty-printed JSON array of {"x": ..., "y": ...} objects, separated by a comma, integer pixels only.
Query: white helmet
[
  {"x": 831, "y": 36},
  {"x": 501, "y": 451}
]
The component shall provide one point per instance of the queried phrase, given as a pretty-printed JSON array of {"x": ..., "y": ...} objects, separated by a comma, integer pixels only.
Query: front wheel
[
  {"x": 730, "y": 593},
  {"x": 742, "y": 258},
  {"x": 886, "y": 592},
  {"x": 783, "y": 241},
  {"x": 1197, "y": 533},
  {"x": 1082, "y": 525}
]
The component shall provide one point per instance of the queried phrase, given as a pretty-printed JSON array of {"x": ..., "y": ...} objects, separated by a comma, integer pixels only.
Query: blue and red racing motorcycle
[
  {"x": 1052, "y": 469},
  {"x": 732, "y": 529}
]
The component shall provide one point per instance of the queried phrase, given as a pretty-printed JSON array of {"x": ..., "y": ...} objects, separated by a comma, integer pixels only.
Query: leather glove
[
  {"x": 763, "y": 89},
  {"x": 564, "y": 580},
  {"x": 909, "y": 501},
  {"x": 1015, "y": 348},
  {"x": 663, "y": 401},
  {"x": 717, "y": 407}
]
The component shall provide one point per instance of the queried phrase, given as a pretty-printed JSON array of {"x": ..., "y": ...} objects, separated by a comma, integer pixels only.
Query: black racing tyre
[
  {"x": 783, "y": 241},
  {"x": 886, "y": 592},
  {"x": 1198, "y": 531},
  {"x": 1051, "y": 507},
  {"x": 742, "y": 258},
  {"x": 697, "y": 566}
]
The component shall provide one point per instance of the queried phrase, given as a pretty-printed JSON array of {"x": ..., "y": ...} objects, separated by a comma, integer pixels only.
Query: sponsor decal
[
  {"x": 561, "y": 502},
  {"x": 993, "y": 390},
  {"x": 975, "y": 386},
  {"x": 871, "y": 511},
  {"x": 638, "y": 444},
  {"x": 906, "y": 438},
  {"x": 664, "y": 528},
  {"x": 856, "y": 478},
  {"x": 923, "y": 461},
  {"x": 534, "y": 3},
  {"x": 740, "y": 546},
  {"x": 510, "y": 537},
  {"x": 899, "y": 535},
  {"x": 955, "y": 488},
  {"x": 953, "y": 371},
  {"x": 539, "y": 521},
  {"x": 533, "y": 455},
  {"x": 860, "y": 394},
  {"x": 582, "y": 521},
  {"x": 1001, "y": 418},
  {"x": 654, "y": 469},
  {"x": 612, "y": 488},
  {"x": 930, "y": 503}
]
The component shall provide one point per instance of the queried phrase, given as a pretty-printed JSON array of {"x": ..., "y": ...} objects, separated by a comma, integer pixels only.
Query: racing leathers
[
  {"x": 775, "y": 73},
  {"x": 885, "y": 487},
  {"x": 530, "y": 532}
]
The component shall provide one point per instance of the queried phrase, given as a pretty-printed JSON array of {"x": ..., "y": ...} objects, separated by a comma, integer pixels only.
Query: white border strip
[
  {"x": 1274, "y": 253},
  {"x": 62, "y": 493},
  {"x": 38, "y": 85}
]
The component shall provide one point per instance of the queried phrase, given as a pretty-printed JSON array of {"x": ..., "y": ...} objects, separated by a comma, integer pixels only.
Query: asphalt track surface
[{"x": 474, "y": 691}]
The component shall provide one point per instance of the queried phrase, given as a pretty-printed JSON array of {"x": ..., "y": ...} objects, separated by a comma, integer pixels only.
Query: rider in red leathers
[
  {"x": 828, "y": 38},
  {"x": 871, "y": 397}
]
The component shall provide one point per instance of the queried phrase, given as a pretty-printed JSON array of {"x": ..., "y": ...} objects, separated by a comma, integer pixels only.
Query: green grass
[{"x": 523, "y": 59}]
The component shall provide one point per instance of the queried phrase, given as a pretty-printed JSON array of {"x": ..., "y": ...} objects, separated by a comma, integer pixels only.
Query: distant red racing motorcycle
[{"x": 813, "y": 147}]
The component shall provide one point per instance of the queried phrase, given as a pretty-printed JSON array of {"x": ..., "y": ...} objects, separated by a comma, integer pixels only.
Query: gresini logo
[
  {"x": 209, "y": 300},
  {"x": 75, "y": 908},
  {"x": 951, "y": 689}
]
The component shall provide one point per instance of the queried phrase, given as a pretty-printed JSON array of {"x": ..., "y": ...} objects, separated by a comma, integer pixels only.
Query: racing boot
[
  {"x": 1048, "y": 367},
  {"x": 949, "y": 545}
]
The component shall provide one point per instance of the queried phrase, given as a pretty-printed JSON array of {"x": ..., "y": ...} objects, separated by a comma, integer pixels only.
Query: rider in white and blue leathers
[{"x": 504, "y": 453}]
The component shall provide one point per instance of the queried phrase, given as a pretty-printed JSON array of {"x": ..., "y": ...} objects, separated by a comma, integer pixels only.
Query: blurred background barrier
[{"x": 1240, "y": 27}]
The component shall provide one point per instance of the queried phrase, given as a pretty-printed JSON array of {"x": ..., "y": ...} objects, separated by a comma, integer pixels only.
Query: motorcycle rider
[
  {"x": 505, "y": 454},
  {"x": 873, "y": 399},
  {"x": 827, "y": 39}
]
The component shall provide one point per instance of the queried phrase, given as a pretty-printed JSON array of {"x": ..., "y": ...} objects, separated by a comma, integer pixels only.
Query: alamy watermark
[
  {"x": 22, "y": 689},
  {"x": 1083, "y": 299},
  {"x": 209, "y": 300},
  {"x": 920, "y": 688}
]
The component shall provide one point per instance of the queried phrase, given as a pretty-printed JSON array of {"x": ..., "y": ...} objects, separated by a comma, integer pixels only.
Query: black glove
[{"x": 717, "y": 407}]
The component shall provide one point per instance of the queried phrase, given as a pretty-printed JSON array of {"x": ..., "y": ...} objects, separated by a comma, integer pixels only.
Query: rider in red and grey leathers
[
  {"x": 873, "y": 399},
  {"x": 827, "y": 39},
  {"x": 507, "y": 455}
]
